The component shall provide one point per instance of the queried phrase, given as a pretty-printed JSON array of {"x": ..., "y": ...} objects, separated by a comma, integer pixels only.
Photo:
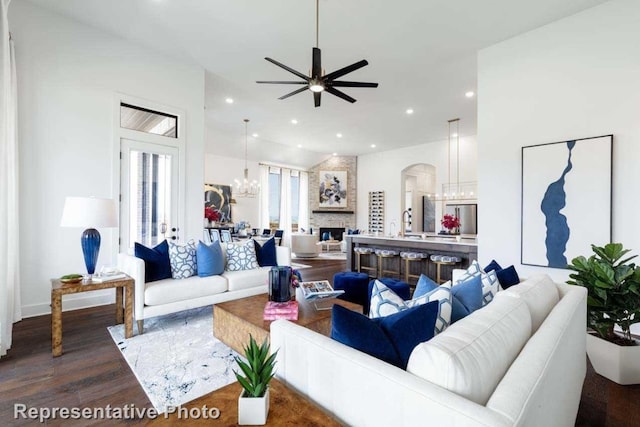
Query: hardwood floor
[{"x": 91, "y": 373}]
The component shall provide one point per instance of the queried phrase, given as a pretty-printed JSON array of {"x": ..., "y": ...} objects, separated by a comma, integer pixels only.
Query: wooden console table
[{"x": 58, "y": 289}]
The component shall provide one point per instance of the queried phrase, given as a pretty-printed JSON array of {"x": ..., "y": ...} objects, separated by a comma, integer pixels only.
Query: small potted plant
[
  {"x": 613, "y": 298},
  {"x": 253, "y": 403},
  {"x": 211, "y": 215},
  {"x": 451, "y": 223}
]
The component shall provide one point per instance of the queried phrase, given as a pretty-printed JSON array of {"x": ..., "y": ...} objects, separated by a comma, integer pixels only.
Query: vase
[
  {"x": 280, "y": 284},
  {"x": 620, "y": 364},
  {"x": 253, "y": 411}
]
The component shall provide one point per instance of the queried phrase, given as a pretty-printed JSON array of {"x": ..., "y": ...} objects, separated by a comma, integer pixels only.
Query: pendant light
[{"x": 245, "y": 188}]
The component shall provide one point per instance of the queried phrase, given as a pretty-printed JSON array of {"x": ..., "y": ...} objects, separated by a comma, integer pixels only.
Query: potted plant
[
  {"x": 253, "y": 403},
  {"x": 451, "y": 223},
  {"x": 613, "y": 298}
]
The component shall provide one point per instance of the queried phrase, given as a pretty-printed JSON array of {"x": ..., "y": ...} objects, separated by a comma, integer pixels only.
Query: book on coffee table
[
  {"x": 319, "y": 289},
  {"x": 281, "y": 310}
]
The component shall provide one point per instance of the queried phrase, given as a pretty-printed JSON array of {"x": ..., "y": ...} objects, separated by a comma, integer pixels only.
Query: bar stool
[
  {"x": 359, "y": 252},
  {"x": 412, "y": 258},
  {"x": 440, "y": 260},
  {"x": 387, "y": 255}
]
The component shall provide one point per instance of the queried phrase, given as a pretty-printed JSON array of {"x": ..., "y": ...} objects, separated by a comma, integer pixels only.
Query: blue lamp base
[{"x": 90, "y": 242}]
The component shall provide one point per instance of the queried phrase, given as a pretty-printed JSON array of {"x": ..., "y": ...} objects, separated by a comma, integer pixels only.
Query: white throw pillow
[
  {"x": 241, "y": 256},
  {"x": 385, "y": 302},
  {"x": 183, "y": 260},
  {"x": 490, "y": 283}
]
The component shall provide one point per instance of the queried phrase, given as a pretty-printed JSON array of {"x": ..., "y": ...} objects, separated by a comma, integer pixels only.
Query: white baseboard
[{"x": 70, "y": 303}]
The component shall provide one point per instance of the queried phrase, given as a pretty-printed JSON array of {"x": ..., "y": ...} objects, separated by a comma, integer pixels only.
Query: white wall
[
  {"x": 224, "y": 170},
  {"x": 575, "y": 78},
  {"x": 68, "y": 74},
  {"x": 381, "y": 172}
]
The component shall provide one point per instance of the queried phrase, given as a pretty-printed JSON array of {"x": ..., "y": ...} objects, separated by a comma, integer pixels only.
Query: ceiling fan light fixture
[{"x": 316, "y": 86}]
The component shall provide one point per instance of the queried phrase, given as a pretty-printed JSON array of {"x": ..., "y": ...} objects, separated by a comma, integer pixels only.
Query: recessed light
[
  {"x": 299, "y": 145},
  {"x": 469, "y": 94},
  {"x": 255, "y": 135},
  {"x": 229, "y": 100},
  {"x": 335, "y": 154},
  {"x": 339, "y": 135},
  {"x": 373, "y": 145},
  {"x": 454, "y": 135},
  {"x": 409, "y": 111},
  {"x": 294, "y": 121}
]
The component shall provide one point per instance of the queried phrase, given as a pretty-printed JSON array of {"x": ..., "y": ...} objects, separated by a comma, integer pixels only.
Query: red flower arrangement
[
  {"x": 450, "y": 222},
  {"x": 211, "y": 214}
]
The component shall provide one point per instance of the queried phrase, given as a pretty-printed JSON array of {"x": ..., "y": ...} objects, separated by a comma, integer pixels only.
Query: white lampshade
[{"x": 89, "y": 212}]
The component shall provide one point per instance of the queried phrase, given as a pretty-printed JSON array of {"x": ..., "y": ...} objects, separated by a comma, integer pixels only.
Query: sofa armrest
[
  {"x": 351, "y": 384},
  {"x": 283, "y": 255},
  {"x": 134, "y": 267}
]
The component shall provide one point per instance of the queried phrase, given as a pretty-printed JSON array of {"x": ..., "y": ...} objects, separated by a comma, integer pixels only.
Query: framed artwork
[
  {"x": 566, "y": 200},
  {"x": 218, "y": 197},
  {"x": 333, "y": 189},
  {"x": 225, "y": 236}
]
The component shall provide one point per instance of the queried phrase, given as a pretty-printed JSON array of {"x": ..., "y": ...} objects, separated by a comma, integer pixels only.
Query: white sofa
[
  {"x": 173, "y": 295},
  {"x": 518, "y": 361}
]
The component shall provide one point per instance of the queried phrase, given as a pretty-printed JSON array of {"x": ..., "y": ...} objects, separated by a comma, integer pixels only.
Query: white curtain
[
  {"x": 285, "y": 205},
  {"x": 9, "y": 227},
  {"x": 264, "y": 197},
  {"x": 303, "y": 205}
]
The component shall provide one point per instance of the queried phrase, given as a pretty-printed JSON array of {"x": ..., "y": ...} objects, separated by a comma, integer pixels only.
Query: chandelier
[
  {"x": 455, "y": 190},
  {"x": 246, "y": 188}
]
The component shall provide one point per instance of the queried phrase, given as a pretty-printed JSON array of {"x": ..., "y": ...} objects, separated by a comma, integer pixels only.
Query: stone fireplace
[{"x": 336, "y": 232}]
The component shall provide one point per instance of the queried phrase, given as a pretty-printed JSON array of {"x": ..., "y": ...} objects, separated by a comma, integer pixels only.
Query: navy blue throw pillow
[
  {"x": 493, "y": 265},
  {"x": 266, "y": 254},
  {"x": 508, "y": 277},
  {"x": 156, "y": 261},
  {"x": 358, "y": 331},
  {"x": 466, "y": 298},
  {"x": 409, "y": 328}
]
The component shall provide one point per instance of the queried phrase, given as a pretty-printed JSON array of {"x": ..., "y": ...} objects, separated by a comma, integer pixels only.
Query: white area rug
[
  {"x": 299, "y": 266},
  {"x": 177, "y": 358},
  {"x": 333, "y": 255}
]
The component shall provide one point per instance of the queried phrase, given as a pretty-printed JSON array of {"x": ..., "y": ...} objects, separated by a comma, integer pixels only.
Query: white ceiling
[{"x": 421, "y": 52}]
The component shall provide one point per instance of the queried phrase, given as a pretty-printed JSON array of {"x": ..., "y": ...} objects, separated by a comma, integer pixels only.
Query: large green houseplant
[{"x": 613, "y": 286}]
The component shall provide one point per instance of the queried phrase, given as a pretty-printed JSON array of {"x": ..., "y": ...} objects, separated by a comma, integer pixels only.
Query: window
[
  {"x": 148, "y": 121},
  {"x": 295, "y": 199},
  {"x": 274, "y": 198}
]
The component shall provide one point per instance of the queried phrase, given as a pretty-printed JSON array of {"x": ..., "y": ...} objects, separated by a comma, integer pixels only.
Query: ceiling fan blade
[
  {"x": 295, "y": 92},
  {"x": 340, "y": 94},
  {"x": 316, "y": 64},
  {"x": 283, "y": 83},
  {"x": 339, "y": 83},
  {"x": 291, "y": 70},
  {"x": 316, "y": 98},
  {"x": 346, "y": 70}
]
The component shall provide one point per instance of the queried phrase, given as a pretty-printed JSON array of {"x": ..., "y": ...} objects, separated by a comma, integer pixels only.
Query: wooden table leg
[
  {"x": 56, "y": 323},
  {"x": 128, "y": 311},
  {"x": 119, "y": 292}
]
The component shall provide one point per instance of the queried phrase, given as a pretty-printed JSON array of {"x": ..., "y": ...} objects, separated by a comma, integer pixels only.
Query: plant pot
[
  {"x": 253, "y": 411},
  {"x": 620, "y": 364}
]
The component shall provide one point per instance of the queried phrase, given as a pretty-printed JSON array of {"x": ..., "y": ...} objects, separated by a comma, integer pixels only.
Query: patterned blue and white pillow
[
  {"x": 183, "y": 260},
  {"x": 241, "y": 256},
  {"x": 385, "y": 302},
  {"x": 490, "y": 283}
]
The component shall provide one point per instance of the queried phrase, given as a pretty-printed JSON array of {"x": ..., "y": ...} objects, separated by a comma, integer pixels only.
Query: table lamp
[{"x": 89, "y": 212}]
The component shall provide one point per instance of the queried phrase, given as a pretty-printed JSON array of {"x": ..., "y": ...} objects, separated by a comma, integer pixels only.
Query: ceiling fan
[{"x": 317, "y": 82}]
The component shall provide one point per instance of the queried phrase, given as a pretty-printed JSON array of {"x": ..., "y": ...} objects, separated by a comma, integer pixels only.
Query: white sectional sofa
[
  {"x": 173, "y": 295},
  {"x": 518, "y": 361}
]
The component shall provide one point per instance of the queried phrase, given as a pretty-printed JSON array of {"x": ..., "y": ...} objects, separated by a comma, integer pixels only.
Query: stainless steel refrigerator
[{"x": 468, "y": 214}]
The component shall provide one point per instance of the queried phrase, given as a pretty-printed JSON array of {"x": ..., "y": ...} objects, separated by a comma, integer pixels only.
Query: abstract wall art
[
  {"x": 219, "y": 197},
  {"x": 566, "y": 200},
  {"x": 333, "y": 189}
]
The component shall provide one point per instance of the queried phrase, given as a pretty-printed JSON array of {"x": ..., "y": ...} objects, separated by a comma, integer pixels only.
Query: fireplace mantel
[{"x": 332, "y": 212}]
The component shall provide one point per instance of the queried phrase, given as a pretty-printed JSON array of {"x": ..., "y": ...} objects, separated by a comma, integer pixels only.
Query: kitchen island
[{"x": 466, "y": 248}]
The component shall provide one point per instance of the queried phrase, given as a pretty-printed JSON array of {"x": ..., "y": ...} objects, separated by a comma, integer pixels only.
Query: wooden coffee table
[
  {"x": 286, "y": 408},
  {"x": 234, "y": 321}
]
